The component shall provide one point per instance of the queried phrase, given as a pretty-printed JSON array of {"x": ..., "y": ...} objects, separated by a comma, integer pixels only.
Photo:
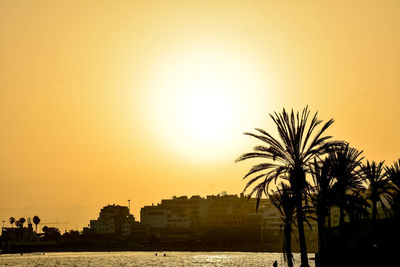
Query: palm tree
[
  {"x": 379, "y": 189},
  {"x": 356, "y": 207},
  {"x": 283, "y": 200},
  {"x": 36, "y": 221},
  {"x": 22, "y": 221},
  {"x": 393, "y": 173},
  {"x": 322, "y": 196},
  {"x": 345, "y": 162},
  {"x": 288, "y": 158},
  {"x": 12, "y": 221}
]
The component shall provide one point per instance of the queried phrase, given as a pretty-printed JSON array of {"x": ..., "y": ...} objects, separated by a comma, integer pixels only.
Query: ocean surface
[{"x": 175, "y": 259}]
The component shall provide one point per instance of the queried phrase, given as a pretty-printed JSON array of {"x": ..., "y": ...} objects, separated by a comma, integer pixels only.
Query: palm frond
[{"x": 260, "y": 167}]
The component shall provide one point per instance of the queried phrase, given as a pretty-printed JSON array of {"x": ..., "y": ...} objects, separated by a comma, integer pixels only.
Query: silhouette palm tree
[
  {"x": 345, "y": 162},
  {"x": 12, "y": 221},
  {"x": 283, "y": 200},
  {"x": 288, "y": 159},
  {"x": 393, "y": 173},
  {"x": 321, "y": 195},
  {"x": 22, "y": 221},
  {"x": 378, "y": 190},
  {"x": 356, "y": 207},
  {"x": 36, "y": 221}
]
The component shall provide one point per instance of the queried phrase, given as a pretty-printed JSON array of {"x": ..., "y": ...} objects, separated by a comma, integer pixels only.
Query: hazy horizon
[{"x": 105, "y": 101}]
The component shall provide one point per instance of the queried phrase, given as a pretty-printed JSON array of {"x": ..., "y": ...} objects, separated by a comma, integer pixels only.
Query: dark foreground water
[{"x": 175, "y": 259}]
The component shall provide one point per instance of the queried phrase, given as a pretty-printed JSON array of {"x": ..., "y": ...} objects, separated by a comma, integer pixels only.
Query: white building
[
  {"x": 157, "y": 217},
  {"x": 113, "y": 219}
]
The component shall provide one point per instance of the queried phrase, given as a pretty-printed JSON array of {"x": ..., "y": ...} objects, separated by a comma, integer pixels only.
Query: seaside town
[
  {"x": 223, "y": 220},
  {"x": 215, "y": 222}
]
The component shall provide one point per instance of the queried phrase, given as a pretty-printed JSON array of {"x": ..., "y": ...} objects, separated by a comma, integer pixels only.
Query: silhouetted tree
[
  {"x": 322, "y": 196},
  {"x": 345, "y": 162},
  {"x": 12, "y": 221},
  {"x": 36, "y": 221},
  {"x": 22, "y": 221},
  {"x": 51, "y": 233},
  {"x": 379, "y": 189},
  {"x": 288, "y": 159},
  {"x": 356, "y": 207},
  {"x": 393, "y": 173},
  {"x": 71, "y": 235},
  {"x": 283, "y": 200}
]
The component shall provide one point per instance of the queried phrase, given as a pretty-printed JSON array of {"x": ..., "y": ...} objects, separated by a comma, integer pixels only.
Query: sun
[
  {"x": 199, "y": 103},
  {"x": 206, "y": 113}
]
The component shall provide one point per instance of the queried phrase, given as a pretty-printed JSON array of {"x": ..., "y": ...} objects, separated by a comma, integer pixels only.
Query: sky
[{"x": 105, "y": 101}]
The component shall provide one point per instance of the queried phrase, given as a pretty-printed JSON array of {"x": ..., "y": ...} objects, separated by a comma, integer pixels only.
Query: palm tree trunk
[
  {"x": 373, "y": 221},
  {"x": 321, "y": 234},
  {"x": 288, "y": 244},
  {"x": 342, "y": 237},
  {"x": 321, "y": 241},
  {"x": 300, "y": 225}
]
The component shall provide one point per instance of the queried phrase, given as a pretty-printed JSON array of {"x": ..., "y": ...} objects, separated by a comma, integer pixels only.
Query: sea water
[{"x": 173, "y": 259}]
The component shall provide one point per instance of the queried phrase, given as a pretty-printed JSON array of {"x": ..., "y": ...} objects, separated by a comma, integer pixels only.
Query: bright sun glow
[
  {"x": 204, "y": 103},
  {"x": 206, "y": 113}
]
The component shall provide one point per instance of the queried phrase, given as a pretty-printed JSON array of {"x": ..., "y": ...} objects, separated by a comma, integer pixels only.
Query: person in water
[
  {"x": 165, "y": 254},
  {"x": 275, "y": 264}
]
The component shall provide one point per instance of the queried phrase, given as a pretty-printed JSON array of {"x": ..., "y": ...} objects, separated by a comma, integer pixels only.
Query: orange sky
[{"x": 104, "y": 101}]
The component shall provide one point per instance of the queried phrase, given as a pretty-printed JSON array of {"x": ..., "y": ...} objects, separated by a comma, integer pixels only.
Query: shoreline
[{"x": 17, "y": 249}]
